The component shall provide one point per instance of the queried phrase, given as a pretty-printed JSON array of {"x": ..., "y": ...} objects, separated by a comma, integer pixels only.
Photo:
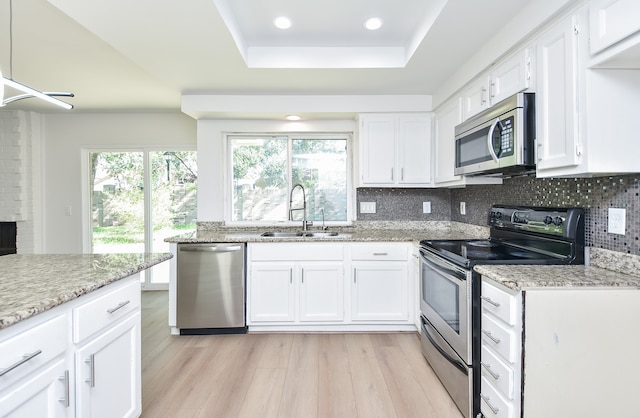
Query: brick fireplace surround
[{"x": 20, "y": 183}]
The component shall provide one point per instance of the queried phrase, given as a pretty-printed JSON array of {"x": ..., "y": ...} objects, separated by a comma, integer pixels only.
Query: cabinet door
[
  {"x": 108, "y": 373},
  {"x": 379, "y": 291},
  {"x": 556, "y": 98},
  {"x": 446, "y": 120},
  {"x": 321, "y": 292},
  {"x": 414, "y": 149},
  {"x": 377, "y": 149},
  {"x": 611, "y": 21},
  {"x": 45, "y": 395},
  {"x": 475, "y": 98},
  {"x": 510, "y": 77},
  {"x": 272, "y": 292}
]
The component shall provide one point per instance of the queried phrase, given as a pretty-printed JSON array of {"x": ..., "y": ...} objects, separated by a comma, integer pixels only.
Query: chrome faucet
[{"x": 303, "y": 208}]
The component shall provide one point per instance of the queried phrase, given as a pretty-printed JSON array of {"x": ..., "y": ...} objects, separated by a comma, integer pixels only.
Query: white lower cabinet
[
  {"x": 566, "y": 352},
  {"x": 302, "y": 286},
  {"x": 80, "y": 359},
  {"x": 108, "y": 379}
]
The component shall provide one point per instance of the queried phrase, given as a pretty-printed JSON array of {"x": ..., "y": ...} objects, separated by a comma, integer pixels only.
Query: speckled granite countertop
[
  {"x": 607, "y": 269},
  {"x": 410, "y": 231},
  {"x": 34, "y": 283}
]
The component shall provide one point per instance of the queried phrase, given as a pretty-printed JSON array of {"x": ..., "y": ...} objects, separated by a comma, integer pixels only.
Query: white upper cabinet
[
  {"x": 507, "y": 78},
  {"x": 556, "y": 96},
  {"x": 395, "y": 150},
  {"x": 585, "y": 116},
  {"x": 611, "y": 21}
]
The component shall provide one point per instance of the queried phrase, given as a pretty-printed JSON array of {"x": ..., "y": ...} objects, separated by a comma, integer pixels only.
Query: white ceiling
[{"x": 142, "y": 55}]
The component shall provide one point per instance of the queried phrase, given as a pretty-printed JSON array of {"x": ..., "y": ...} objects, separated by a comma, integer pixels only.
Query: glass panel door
[{"x": 138, "y": 199}]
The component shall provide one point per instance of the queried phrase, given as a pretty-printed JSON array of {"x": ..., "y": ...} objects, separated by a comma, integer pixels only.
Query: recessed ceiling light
[
  {"x": 293, "y": 117},
  {"x": 373, "y": 23},
  {"x": 282, "y": 22}
]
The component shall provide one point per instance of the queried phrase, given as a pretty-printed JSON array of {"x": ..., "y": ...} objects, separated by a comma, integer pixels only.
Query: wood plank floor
[{"x": 284, "y": 375}]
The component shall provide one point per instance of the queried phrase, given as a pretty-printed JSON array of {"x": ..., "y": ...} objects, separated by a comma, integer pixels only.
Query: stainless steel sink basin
[
  {"x": 323, "y": 234},
  {"x": 292, "y": 234},
  {"x": 280, "y": 234}
]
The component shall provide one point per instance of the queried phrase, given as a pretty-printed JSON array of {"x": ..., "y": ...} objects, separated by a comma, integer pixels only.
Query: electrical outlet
[
  {"x": 426, "y": 207},
  {"x": 463, "y": 208},
  {"x": 617, "y": 221},
  {"x": 367, "y": 207}
]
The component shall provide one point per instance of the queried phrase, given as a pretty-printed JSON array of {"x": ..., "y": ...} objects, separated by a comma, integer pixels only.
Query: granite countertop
[
  {"x": 527, "y": 277},
  {"x": 33, "y": 283},
  {"x": 410, "y": 231}
]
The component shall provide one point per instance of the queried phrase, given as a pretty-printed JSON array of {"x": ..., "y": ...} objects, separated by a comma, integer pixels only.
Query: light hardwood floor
[{"x": 284, "y": 375}]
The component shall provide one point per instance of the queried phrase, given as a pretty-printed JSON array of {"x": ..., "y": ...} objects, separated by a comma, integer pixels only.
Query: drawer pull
[
  {"x": 491, "y": 337},
  {"x": 120, "y": 306},
  {"x": 487, "y": 367},
  {"x": 380, "y": 254},
  {"x": 91, "y": 361},
  {"x": 490, "y": 301},
  {"x": 65, "y": 380},
  {"x": 19, "y": 363},
  {"x": 494, "y": 409}
]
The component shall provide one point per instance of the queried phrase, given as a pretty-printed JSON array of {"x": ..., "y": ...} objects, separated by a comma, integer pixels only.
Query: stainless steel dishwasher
[{"x": 210, "y": 294}]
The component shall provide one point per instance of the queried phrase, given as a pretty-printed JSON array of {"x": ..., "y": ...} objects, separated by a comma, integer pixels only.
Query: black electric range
[{"x": 520, "y": 235}]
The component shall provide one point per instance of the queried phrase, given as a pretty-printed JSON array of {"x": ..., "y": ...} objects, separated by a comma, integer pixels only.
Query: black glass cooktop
[{"x": 468, "y": 252}]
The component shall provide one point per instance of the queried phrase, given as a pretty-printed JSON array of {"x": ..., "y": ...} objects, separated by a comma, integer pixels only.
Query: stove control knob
[
  {"x": 557, "y": 221},
  {"x": 547, "y": 220}
]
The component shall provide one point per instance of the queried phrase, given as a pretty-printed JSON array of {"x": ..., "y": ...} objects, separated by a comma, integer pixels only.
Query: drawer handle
[
  {"x": 19, "y": 363},
  {"x": 487, "y": 367},
  {"x": 65, "y": 380},
  {"x": 91, "y": 361},
  {"x": 494, "y": 409},
  {"x": 380, "y": 254},
  {"x": 490, "y": 301},
  {"x": 491, "y": 337},
  {"x": 120, "y": 306}
]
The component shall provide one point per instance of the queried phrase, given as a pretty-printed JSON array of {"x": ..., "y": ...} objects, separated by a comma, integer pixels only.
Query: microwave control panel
[{"x": 503, "y": 142}]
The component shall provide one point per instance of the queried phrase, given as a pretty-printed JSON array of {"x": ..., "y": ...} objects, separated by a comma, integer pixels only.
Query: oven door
[{"x": 445, "y": 301}]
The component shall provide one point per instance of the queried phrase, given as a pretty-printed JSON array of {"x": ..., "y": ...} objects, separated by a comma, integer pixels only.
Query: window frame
[{"x": 290, "y": 136}]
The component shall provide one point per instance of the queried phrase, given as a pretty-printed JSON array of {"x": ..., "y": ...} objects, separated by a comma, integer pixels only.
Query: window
[{"x": 265, "y": 168}]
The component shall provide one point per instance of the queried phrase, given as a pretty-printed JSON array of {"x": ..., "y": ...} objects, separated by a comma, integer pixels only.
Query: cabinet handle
[
  {"x": 492, "y": 89},
  {"x": 483, "y": 96},
  {"x": 494, "y": 409},
  {"x": 120, "y": 306},
  {"x": 491, "y": 337},
  {"x": 302, "y": 275},
  {"x": 19, "y": 363},
  {"x": 402, "y": 174},
  {"x": 380, "y": 254},
  {"x": 65, "y": 379},
  {"x": 487, "y": 367},
  {"x": 392, "y": 174},
  {"x": 354, "y": 276},
  {"x": 490, "y": 301},
  {"x": 92, "y": 371},
  {"x": 290, "y": 276}
]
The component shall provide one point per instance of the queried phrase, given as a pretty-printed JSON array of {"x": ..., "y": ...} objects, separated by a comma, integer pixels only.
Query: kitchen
[{"x": 72, "y": 132}]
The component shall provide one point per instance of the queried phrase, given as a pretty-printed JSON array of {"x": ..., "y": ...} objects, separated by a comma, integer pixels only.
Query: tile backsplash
[{"x": 596, "y": 195}]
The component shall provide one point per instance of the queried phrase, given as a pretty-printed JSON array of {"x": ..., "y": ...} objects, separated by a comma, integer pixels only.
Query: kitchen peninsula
[{"x": 70, "y": 333}]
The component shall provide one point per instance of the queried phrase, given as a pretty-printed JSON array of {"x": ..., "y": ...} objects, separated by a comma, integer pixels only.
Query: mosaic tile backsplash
[{"x": 596, "y": 195}]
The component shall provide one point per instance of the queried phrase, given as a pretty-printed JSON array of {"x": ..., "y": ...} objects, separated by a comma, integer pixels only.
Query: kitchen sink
[{"x": 293, "y": 234}]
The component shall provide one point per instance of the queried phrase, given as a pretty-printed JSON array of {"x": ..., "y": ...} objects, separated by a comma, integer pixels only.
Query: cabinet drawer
[
  {"x": 26, "y": 352},
  {"x": 492, "y": 404},
  {"x": 296, "y": 252},
  {"x": 500, "y": 338},
  {"x": 379, "y": 252},
  {"x": 105, "y": 310},
  {"x": 498, "y": 302},
  {"x": 497, "y": 372}
]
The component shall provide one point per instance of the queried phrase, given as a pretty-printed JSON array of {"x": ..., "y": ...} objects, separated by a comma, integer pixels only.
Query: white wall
[
  {"x": 211, "y": 154},
  {"x": 65, "y": 135}
]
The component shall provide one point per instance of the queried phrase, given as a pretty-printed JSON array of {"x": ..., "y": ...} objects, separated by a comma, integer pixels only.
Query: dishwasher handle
[{"x": 212, "y": 248}]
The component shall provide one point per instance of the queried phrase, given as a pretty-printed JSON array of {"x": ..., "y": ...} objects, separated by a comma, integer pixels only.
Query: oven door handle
[
  {"x": 436, "y": 262},
  {"x": 457, "y": 363}
]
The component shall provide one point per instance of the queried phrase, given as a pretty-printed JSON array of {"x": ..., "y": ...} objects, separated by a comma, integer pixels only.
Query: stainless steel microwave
[{"x": 499, "y": 140}]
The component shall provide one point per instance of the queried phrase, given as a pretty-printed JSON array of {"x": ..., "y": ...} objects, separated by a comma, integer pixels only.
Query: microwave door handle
[{"x": 490, "y": 142}]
